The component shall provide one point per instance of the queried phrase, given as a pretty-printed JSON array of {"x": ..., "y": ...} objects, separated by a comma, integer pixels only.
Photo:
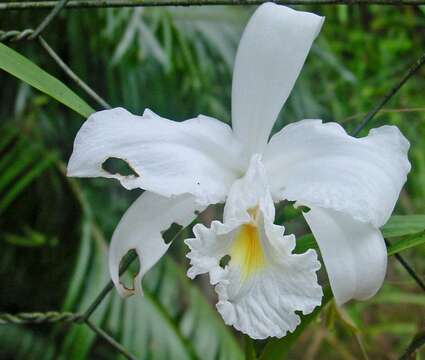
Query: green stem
[
  {"x": 417, "y": 342},
  {"x": 110, "y": 340},
  {"x": 408, "y": 268},
  {"x": 28, "y": 34},
  {"x": 87, "y": 89},
  {"x": 368, "y": 118},
  {"x": 387, "y": 97},
  {"x": 59, "y": 6},
  {"x": 108, "y": 287}
]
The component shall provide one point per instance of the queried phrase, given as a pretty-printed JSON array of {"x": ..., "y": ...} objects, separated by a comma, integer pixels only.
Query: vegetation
[{"x": 54, "y": 230}]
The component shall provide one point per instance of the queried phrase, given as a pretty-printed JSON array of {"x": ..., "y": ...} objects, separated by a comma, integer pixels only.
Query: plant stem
[
  {"x": 368, "y": 118},
  {"x": 408, "y": 268},
  {"x": 409, "y": 73},
  {"x": 133, "y": 3},
  {"x": 110, "y": 340},
  {"x": 27, "y": 34},
  {"x": 59, "y": 6},
  {"x": 417, "y": 342},
  {"x": 88, "y": 90},
  {"x": 108, "y": 287}
]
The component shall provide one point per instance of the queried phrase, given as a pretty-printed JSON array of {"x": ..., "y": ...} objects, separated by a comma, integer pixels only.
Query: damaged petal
[
  {"x": 121, "y": 167},
  {"x": 141, "y": 228}
]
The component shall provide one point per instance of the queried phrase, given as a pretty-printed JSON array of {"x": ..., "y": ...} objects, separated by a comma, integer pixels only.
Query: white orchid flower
[{"x": 350, "y": 185}]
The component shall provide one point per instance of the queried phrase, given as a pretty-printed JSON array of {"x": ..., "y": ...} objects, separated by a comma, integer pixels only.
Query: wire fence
[
  {"x": 35, "y": 34},
  {"x": 79, "y": 4}
]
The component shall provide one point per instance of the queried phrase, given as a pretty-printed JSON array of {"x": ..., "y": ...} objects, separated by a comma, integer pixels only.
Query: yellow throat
[{"x": 246, "y": 250}]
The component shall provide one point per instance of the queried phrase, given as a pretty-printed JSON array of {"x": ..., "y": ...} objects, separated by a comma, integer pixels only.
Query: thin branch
[
  {"x": 108, "y": 287},
  {"x": 417, "y": 342},
  {"x": 110, "y": 340},
  {"x": 387, "y": 97},
  {"x": 133, "y": 3},
  {"x": 39, "y": 318},
  {"x": 59, "y": 6},
  {"x": 89, "y": 91},
  {"x": 408, "y": 268},
  {"x": 26, "y": 34},
  {"x": 409, "y": 73},
  {"x": 384, "y": 111}
]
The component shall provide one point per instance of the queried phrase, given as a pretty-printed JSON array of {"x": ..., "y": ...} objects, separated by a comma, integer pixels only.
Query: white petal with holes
[
  {"x": 350, "y": 184},
  {"x": 141, "y": 228},
  {"x": 264, "y": 283},
  {"x": 198, "y": 156},
  {"x": 270, "y": 56}
]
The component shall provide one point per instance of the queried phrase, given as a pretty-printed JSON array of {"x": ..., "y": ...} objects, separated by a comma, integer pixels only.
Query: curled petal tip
[{"x": 123, "y": 291}]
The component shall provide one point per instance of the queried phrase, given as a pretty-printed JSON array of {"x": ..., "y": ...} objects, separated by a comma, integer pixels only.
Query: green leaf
[
  {"x": 174, "y": 306},
  {"x": 391, "y": 327},
  {"x": 276, "y": 349},
  {"x": 394, "y": 296},
  {"x": 26, "y": 179},
  {"x": 250, "y": 353},
  {"x": 8, "y": 135},
  {"x": 305, "y": 242},
  {"x": 406, "y": 243},
  {"x": 82, "y": 264},
  {"x": 149, "y": 331},
  {"x": 25, "y": 70},
  {"x": 20, "y": 162},
  {"x": 398, "y": 225},
  {"x": 401, "y": 225},
  {"x": 19, "y": 342},
  {"x": 172, "y": 320},
  {"x": 79, "y": 339},
  {"x": 30, "y": 238}
]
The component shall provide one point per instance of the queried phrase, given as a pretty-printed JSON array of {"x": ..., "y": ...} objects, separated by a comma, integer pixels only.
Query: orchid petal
[
  {"x": 320, "y": 165},
  {"x": 270, "y": 56},
  {"x": 354, "y": 253},
  {"x": 141, "y": 228},
  {"x": 351, "y": 186},
  {"x": 264, "y": 283},
  {"x": 198, "y": 156}
]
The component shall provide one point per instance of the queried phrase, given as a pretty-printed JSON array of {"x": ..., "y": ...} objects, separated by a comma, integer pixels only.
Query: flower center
[{"x": 246, "y": 250}]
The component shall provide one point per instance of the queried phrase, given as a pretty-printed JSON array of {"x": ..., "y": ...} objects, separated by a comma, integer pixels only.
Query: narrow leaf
[
  {"x": 393, "y": 296},
  {"x": 249, "y": 348},
  {"x": 20, "y": 162},
  {"x": 25, "y": 70},
  {"x": 26, "y": 179},
  {"x": 82, "y": 264},
  {"x": 401, "y": 225},
  {"x": 79, "y": 339},
  {"x": 8, "y": 135},
  {"x": 406, "y": 243}
]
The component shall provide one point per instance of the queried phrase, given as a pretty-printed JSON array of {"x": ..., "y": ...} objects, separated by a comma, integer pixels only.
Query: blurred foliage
[{"x": 178, "y": 62}]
